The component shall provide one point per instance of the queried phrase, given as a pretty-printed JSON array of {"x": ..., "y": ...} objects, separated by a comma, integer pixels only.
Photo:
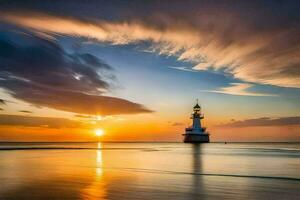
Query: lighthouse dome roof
[{"x": 197, "y": 106}]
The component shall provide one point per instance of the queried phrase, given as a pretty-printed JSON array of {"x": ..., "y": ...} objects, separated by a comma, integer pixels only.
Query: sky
[{"x": 134, "y": 69}]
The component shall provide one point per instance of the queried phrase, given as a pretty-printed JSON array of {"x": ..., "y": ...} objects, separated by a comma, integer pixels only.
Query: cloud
[
  {"x": 2, "y": 101},
  {"x": 177, "y": 124},
  {"x": 184, "y": 69},
  {"x": 84, "y": 116},
  {"x": 25, "y": 111},
  {"x": 239, "y": 89},
  {"x": 31, "y": 121},
  {"x": 250, "y": 40},
  {"x": 39, "y": 71},
  {"x": 264, "y": 121}
]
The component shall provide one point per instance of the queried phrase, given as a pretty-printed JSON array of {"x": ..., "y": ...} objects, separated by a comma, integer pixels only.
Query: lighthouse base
[{"x": 196, "y": 138}]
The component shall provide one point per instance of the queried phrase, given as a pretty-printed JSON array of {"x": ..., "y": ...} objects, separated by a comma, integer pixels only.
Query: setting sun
[{"x": 99, "y": 132}]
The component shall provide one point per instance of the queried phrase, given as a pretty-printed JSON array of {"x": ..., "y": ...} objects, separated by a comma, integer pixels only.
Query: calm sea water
[{"x": 149, "y": 171}]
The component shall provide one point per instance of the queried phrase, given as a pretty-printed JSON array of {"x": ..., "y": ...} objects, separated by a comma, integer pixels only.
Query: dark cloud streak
[
  {"x": 2, "y": 101},
  {"x": 31, "y": 121},
  {"x": 264, "y": 121},
  {"x": 25, "y": 111},
  {"x": 177, "y": 124}
]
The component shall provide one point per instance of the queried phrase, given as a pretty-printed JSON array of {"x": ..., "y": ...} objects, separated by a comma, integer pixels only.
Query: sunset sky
[{"x": 135, "y": 69}]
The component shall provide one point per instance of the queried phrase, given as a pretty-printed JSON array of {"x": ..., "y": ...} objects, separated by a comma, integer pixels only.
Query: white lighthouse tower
[{"x": 196, "y": 133}]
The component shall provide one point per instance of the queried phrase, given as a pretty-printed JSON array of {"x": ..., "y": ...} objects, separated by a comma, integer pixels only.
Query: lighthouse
[{"x": 196, "y": 133}]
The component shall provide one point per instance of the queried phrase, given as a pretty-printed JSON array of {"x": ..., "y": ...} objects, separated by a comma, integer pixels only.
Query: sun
[{"x": 99, "y": 132}]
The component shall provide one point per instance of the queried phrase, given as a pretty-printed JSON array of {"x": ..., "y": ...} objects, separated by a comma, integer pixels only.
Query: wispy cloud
[
  {"x": 261, "y": 48},
  {"x": 239, "y": 89},
  {"x": 184, "y": 69}
]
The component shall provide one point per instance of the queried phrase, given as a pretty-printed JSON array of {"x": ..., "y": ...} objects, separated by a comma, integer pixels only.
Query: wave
[
  {"x": 264, "y": 149},
  {"x": 72, "y": 148},
  {"x": 208, "y": 174}
]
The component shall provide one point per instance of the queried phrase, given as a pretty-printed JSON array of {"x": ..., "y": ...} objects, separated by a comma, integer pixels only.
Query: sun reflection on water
[
  {"x": 99, "y": 170},
  {"x": 96, "y": 190}
]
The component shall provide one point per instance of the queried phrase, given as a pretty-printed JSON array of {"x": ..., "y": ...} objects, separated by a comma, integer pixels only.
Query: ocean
[{"x": 151, "y": 171}]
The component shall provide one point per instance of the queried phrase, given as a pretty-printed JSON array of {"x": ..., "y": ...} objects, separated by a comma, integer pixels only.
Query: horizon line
[{"x": 130, "y": 141}]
